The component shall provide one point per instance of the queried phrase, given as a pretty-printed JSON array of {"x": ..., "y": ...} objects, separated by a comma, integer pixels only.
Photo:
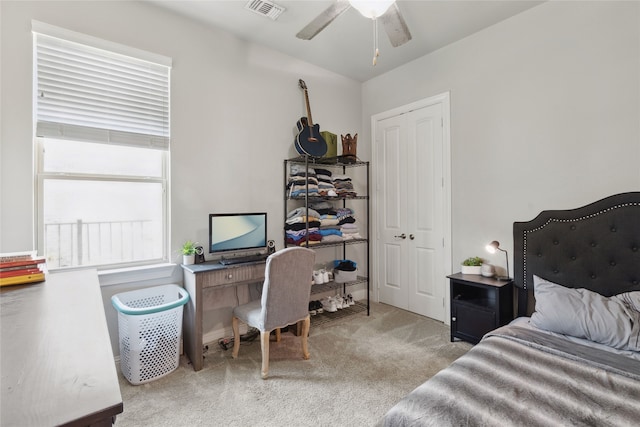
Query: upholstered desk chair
[{"x": 285, "y": 300}]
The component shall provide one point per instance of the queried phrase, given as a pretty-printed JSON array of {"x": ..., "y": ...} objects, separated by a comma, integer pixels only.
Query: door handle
[
  {"x": 411, "y": 236},
  {"x": 402, "y": 236}
]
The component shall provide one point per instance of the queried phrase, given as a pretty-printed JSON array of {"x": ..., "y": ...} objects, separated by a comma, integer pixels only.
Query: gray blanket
[{"x": 521, "y": 377}]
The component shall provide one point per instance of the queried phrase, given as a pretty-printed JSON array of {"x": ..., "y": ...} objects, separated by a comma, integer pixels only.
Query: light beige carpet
[{"x": 359, "y": 368}]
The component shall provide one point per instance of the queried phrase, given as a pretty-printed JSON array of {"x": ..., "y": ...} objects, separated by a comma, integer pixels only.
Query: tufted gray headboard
[{"x": 596, "y": 247}]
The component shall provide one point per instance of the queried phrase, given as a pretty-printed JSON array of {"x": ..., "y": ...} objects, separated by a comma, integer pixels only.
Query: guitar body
[{"x": 309, "y": 141}]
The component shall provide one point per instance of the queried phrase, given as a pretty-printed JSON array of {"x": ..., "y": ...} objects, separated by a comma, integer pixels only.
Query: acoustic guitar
[{"x": 309, "y": 141}]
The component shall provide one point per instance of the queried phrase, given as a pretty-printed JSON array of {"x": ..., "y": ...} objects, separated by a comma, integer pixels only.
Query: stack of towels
[
  {"x": 347, "y": 223},
  {"x": 344, "y": 186},
  {"x": 300, "y": 224},
  {"x": 319, "y": 182},
  {"x": 329, "y": 222},
  {"x": 299, "y": 182},
  {"x": 325, "y": 183},
  {"x": 321, "y": 223}
]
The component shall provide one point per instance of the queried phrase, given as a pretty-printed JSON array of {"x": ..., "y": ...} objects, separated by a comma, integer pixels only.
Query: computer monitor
[{"x": 229, "y": 232}]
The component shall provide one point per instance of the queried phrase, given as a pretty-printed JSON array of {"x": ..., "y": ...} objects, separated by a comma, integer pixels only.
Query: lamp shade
[
  {"x": 371, "y": 8},
  {"x": 493, "y": 247}
]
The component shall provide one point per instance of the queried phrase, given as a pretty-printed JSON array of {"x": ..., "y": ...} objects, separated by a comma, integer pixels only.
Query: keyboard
[{"x": 243, "y": 260}]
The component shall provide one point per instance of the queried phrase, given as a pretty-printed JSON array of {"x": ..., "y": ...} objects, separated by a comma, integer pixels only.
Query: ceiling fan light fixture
[{"x": 371, "y": 8}]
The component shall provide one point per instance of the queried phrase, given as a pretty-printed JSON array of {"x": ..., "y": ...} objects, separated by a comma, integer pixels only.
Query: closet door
[
  {"x": 392, "y": 212},
  {"x": 410, "y": 252}
]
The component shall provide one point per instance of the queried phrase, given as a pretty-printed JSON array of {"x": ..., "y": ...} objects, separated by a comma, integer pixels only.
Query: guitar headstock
[{"x": 302, "y": 84}]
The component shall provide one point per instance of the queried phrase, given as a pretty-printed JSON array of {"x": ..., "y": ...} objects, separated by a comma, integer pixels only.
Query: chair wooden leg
[
  {"x": 236, "y": 337},
  {"x": 278, "y": 337},
  {"x": 264, "y": 344},
  {"x": 306, "y": 324}
]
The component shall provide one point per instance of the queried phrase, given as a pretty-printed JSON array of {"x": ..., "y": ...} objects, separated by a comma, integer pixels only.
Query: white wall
[
  {"x": 545, "y": 114},
  {"x": 234, "y": 108}
]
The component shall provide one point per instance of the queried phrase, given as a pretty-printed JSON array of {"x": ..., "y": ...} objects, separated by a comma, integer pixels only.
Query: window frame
[{"x": 41, "y": 176}]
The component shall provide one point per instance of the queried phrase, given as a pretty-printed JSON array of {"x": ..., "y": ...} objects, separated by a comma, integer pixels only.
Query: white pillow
[{"x": 582, "y": 313}]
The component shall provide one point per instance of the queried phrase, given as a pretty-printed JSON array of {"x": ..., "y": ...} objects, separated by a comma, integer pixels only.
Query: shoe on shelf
[
  {"x": 325, "y": 275},
  {"x": 328, "y": 304},
  {"x": 319, "y": 308},
  {"x": 350, "y": 299},
  {"x": 317, "y": 277},
  {"x": 338, "y": 301},
  {"x": 312, "y": 308}
]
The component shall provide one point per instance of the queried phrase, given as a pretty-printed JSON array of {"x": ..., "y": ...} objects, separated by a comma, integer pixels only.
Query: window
[{"x": 102, "y": 146}]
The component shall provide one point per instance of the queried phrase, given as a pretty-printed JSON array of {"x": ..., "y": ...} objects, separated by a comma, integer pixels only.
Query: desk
[
  {"x": 198, "y": 277},
  {"x": 57, "y": 362}
]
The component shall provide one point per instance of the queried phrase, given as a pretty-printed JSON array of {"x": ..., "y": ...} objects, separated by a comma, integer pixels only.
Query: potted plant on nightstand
[
  {"x": 188, "y": 252},
  {"x": 472, "y": 265}
]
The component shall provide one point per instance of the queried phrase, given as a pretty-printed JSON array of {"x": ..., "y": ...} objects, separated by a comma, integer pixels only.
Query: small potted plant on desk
[
  {"x": 472, "y": 265},
  {"x": 188, "y": 252}
]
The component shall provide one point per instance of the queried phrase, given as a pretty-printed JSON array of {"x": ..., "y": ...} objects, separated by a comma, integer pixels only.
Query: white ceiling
[{"x": 346, "y": 45}]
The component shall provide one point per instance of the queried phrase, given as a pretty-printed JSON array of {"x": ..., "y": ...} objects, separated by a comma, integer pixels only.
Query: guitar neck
[{"x": 306, "y": 100}]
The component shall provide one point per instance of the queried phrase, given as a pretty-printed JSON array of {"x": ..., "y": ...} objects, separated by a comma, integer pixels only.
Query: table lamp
[{"x": 492, "y": 248}]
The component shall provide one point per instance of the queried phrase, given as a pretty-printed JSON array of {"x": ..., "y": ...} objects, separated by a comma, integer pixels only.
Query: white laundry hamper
[{"x": 149, "y": 328}]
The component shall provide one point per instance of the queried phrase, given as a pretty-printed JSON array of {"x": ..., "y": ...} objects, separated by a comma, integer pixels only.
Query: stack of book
[{"x": 21, "y": 267}]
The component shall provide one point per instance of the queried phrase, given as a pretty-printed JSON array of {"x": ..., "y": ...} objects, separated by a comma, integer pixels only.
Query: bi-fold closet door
[{"x": 410, "y": 211}]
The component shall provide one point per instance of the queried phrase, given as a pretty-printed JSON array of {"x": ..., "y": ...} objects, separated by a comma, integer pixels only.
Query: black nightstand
[{"x": 478, "y": 305}]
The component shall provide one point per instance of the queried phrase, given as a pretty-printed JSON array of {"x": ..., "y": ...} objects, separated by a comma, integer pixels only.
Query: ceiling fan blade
[
  {"x": 395, "y": 26},
  {"x": 324, "y": 19}
]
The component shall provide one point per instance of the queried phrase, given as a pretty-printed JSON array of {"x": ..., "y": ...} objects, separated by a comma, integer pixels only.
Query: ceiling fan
[{"x": 386, "y": 11}]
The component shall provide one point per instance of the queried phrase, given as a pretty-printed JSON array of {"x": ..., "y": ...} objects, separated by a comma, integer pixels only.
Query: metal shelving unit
[{"x": 342, "y": 163}]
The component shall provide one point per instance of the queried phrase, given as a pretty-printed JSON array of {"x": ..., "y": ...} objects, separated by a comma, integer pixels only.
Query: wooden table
[{"x": 57, "y": 363}]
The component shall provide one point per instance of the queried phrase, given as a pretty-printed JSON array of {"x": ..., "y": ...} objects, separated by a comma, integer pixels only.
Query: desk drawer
[{"x": 233, "y": 276}]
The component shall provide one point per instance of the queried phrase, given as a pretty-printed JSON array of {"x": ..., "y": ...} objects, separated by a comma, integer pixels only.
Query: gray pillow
[{"x": 582, "y": 313}]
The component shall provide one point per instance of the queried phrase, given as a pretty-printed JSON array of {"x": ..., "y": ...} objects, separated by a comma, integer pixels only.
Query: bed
[{"x": 572, "y": 356}]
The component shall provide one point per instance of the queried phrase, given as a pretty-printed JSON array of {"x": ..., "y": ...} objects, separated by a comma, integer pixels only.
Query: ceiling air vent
[{"x": 265, "y": 8}]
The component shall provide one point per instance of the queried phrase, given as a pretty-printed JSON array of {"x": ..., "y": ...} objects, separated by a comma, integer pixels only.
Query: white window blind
[{"x": 90, "y": 94}]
